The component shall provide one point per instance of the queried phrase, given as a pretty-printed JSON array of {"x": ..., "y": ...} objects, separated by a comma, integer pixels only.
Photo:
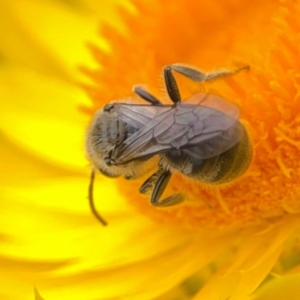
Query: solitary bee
[{"x": 201, "y": 137}]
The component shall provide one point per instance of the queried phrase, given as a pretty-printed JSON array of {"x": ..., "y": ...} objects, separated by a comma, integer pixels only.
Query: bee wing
[
  {"x": 194, "y": 122},
  {"x": 218, "y": 144},
  {"x": 135, "y": 115},
  {"x": 216, "y": 102},
  {"x": 221, "y": 129}
]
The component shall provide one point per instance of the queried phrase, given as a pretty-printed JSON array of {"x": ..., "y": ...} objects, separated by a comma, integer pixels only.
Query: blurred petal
[
  {"x": 51, "y": 49},
  {"x": 255, "y": 258},
  {"x": 37, "y": 295},
  {"x": 41, "y": 116},
  {"x": 286, "y": 287}
]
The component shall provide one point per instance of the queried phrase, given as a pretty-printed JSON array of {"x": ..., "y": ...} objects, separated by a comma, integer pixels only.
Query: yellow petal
[
  {"x": 255, "y": 258},
  {"x": 38, "y": 42},
  {"x": 286, "y": 287},
  {"x": 41, "y": 116}
]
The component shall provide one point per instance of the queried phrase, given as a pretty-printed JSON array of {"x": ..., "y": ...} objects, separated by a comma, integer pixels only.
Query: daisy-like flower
[{"x": 234, "y": 241}]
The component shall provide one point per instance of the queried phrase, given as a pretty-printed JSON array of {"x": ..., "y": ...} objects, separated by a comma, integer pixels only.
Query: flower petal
[
  {"x": 52, "y": 50},
  {"x": 286, "y": 287},
  {"x": 47, "y": 122},
  {"x": 255, "y": 258}
]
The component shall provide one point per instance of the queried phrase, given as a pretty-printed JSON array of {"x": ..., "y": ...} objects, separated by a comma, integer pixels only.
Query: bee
[{"x": 200, "y": 137}]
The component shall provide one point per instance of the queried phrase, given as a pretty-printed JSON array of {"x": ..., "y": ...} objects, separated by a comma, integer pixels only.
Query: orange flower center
[{"x": 268, "y": 96}]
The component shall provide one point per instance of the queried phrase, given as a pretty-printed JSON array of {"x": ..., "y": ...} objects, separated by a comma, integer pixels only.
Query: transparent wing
[
  {"x": 205, "y": 121},
  {"x": 135, "y": 115},
  {"x": 218, "y": 144}
]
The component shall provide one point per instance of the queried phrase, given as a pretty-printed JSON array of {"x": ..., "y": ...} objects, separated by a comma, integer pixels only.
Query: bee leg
[
  {"x": 171, "y": 85},
  {"x": 198, "y": 76},
  {"x": 148, "y": 185},
  {"x": 160, "y": 186},
  {"x": 91, "y": 200},
  {"x": 224, "y": 72},
  {"x": 144, "y": 94}
]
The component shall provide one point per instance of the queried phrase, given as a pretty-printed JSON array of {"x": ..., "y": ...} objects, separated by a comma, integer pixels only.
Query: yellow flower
[{"x": 238, "y": 241}]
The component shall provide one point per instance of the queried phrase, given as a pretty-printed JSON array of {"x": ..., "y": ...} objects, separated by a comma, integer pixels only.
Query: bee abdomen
[{"x": 228, "y": 165}]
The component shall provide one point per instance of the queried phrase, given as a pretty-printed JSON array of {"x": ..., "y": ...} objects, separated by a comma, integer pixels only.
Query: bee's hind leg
[
  {"x": 160, "y": 185},
  {"x": 171, "y": 84},
  {"x": 193, "y": 74}
]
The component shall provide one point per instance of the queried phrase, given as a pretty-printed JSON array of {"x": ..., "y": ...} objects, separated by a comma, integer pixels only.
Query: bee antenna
[{"x": 91, "y": 199}]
